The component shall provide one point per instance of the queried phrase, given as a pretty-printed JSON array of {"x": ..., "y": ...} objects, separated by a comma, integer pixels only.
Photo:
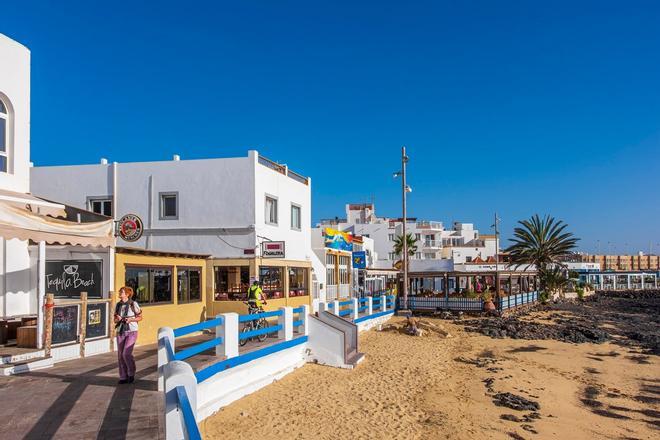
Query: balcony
[
  {"x": 432, "y": 244},
  {"x": 430, "y": 225}
]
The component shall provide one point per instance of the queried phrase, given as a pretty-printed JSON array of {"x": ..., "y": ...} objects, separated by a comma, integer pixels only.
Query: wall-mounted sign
[
  {"x": 97, "y": 326},
  {"x": 69, "y": 278},
  {"x": 130, "y": 227},
  {"x": 342, "y": 241},
  {"x": 272, "y": 249},
  {"x": 65, "y": 324},
  {"x": 359, "y": 260}
]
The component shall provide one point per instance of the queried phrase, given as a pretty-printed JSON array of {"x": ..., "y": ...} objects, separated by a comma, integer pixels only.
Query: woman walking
[{"x": 127, "y": 316}]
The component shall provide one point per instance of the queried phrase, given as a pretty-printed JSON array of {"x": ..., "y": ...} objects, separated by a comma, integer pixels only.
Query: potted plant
[{"x": 487, "y": 297}]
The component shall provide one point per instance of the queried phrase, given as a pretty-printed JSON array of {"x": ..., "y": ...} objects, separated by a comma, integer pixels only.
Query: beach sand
[{"x": 432, "y": 387}]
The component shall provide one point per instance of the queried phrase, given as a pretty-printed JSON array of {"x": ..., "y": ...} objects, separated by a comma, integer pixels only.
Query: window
[
  {"x": 429, "y": 256},
  {"x": 271, "y": 210},
  {"x": 100, "y": 205},
  {"x": 272, "y": 281},
  {"x": 295, "y": 217},
  {"x": 390, "y": 237},
  {"x": 298, "y": 281},
  {"x": 169, "y": 206},
  {"x": 468, "y": 259},
  {"x": 418, "y": 255},
  {"x": 418, "y": 237},
  {"x": 231, "y": 283},
  {"x": 151, "y": 285},
  {"x": 4, "y": 136},
  {"x": 392, "y": 256},
  {"x": 189, "y": 284}
]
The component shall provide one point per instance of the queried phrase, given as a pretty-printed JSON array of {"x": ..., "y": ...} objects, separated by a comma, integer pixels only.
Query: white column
[
  {"x": 323, "y": 306},
  {"x": 315, "y": 305},
  {"x": 228, "y": 331},
  {"x": 41, "y": 293},
  {"x": 370, "y": 306},
  {"x": 356, "y": 304},
  {"x": 178, "y": 373},
  {"x": 335, "y": 307},
  {"x": 166, "y": 349},
  {"x": 286, "y": 321},
  {"x": 383, "y": 303},
  {"x": 628, "y": 282},
  {"x": 303, "y": 330},
  {"x": 643, "y": 275}
]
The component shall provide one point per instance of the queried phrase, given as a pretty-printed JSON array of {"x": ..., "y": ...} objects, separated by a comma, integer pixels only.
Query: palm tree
[
  {"x": 542, "y": 242},
  {"x": 411, "y": 243},
  {"x": 556, "y": 281}
]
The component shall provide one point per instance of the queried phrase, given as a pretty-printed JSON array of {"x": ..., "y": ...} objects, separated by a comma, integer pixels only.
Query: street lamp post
[
  {"x": 497, "y": 258},
  {"x": 404, "y": 190}
]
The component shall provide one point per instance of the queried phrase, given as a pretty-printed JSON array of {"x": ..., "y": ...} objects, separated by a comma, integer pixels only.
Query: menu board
[
  {"x": 65, "y": 324},
  {"x": 97, "y": 320},
  {"x": 66, "y": 279}
]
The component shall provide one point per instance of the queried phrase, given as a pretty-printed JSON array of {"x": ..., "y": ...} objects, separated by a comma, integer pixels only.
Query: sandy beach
[{"x": 434, "y": 386}]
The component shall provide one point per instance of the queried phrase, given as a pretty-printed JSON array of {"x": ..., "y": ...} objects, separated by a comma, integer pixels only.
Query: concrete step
[
  {"x": 8, "y": 369},
  {"x": 354, "y": 358},
  {"x": 25, "y": 355}
]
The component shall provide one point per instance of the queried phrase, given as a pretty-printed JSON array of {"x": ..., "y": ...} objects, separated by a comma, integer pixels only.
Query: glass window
[
  {"x": 169, "y": 206},
  {"x": 390, "y": 237},
  {"x": 231, "y": 283},
  {"x": 189, "y": 282},
  {"x": 272, "y": 281},
  {"x": 101, "y": 206},
  {"x": 151, "y": 284},
  {"x": 4, "y": 137},
  {"x": 271, "y": 210},
  {"x": 298, "y": 281},
  {"x": 295, "y": 217},
  {"x": 3, "y": 133}
]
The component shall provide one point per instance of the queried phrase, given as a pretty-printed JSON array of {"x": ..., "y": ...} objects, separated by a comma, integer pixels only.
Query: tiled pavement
[{"x": 80, "y": 399}]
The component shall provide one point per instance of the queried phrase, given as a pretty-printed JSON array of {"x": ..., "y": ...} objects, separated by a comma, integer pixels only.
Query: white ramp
[{"x": 333, "y": 341}]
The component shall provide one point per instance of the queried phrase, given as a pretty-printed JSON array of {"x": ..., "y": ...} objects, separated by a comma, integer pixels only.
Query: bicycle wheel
[
  {"x": 246, "y": 328},
  {"x": 262, "y": 323}
]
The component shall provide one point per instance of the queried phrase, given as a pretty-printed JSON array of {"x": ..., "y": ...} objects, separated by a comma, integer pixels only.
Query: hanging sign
[
  {"x": 272, "y": 249},
  {"x": 130, "y": 227},
  {"x": 359, "y": 260}
]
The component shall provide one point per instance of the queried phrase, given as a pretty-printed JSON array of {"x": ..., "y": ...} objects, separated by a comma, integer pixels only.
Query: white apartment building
[
  {"x": 462, "y": 243},
  {"x": 228, "y": 208}
]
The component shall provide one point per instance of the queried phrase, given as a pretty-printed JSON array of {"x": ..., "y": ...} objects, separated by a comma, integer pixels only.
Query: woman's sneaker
[{"x": 123, "y": 381}]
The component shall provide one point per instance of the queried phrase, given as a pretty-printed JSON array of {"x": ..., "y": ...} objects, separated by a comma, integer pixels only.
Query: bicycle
[{"x": 254, "y": 324}]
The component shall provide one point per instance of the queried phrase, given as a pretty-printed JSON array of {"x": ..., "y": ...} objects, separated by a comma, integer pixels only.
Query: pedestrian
[{"x": 127, "y": 316}]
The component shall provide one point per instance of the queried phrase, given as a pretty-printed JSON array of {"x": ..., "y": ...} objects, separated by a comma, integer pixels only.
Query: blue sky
[{"x": 516, "y": 107}]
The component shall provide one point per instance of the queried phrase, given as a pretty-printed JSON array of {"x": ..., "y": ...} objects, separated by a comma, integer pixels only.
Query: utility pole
[
  {"x": 404, "y": 189},
  {"x": 497, "y": 258}
]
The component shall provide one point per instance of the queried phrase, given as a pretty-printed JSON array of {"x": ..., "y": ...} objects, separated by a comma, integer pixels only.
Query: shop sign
[
  {"x": 272, "y": 249},
  {"x": 359, "y": 260},
  {"x": 70, "y": 278},
  {"x": 130, "y": 227}
]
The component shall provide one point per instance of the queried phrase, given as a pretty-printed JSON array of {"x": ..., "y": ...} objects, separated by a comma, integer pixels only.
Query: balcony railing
[
  {"x": 433, "y": 243},
  {"x": 429, "y": 225},
  {"x": 283, "y": 170}
]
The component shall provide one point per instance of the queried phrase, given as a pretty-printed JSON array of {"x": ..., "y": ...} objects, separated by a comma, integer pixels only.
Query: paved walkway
[{"x": 80, "y": 399}]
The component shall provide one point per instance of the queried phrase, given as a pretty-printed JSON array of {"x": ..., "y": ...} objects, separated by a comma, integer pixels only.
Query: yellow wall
[{"x": 164, "y": 315}]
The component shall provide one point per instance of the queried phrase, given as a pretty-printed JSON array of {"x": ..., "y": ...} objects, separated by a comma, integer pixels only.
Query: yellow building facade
[{"x": 169, "y": 287}]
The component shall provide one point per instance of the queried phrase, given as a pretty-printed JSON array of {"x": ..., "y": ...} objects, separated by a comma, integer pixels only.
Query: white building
[
  {"x": 462, "y": 243},
  {"x": 74, "y": 234},
  {"x": 227, "y": 208}
]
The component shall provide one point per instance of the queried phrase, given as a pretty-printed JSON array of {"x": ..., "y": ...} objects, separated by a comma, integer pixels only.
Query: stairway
[{"x": 24, "y": 362}]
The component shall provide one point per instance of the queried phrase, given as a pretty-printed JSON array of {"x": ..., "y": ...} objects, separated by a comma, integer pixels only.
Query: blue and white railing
[
  {"x": 512, "y": 301},
  {"x": 360, "y": 310},
  {"x": 290, "y": 333}
]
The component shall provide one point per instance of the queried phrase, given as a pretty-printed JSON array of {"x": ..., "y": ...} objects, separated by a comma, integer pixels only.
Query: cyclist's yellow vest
[{"x": 254, "y": 294}]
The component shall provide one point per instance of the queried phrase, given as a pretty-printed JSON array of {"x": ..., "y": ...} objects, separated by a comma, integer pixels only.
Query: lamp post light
[
  {"x": 496, "y": 225},
  {"x": 405, "y": 188}
]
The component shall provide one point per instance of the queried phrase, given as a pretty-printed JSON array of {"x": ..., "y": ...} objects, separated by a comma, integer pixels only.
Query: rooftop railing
[{"x": 282, "y": 169}]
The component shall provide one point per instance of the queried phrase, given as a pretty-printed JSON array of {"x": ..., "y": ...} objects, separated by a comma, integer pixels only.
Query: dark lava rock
[
  {"x": 511, "y": 418},
  {"x": 529, "y": 428},
  {"x": 513, "y": 401},
  {"x": 516, "y": 436}
]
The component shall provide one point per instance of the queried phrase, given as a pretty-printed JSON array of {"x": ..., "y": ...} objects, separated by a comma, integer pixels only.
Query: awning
[
  {"x": 21, "y": 222},
  {"x": 32, "y": 203}
]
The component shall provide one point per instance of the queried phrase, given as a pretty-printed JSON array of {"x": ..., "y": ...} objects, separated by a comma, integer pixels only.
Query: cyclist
[{"x": 255, "y": 297}]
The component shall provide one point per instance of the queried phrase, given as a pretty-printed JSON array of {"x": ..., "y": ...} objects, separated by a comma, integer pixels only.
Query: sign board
[
  {"x": 339, "y": 240},
  {"x": 273, "y": 249},
  {"x": 97, "y": 320},
  {"x": 66, "y": 279},
  {"x": 65, "y": 324},
  {"x": 130, "y": 227},
  {"x": 359, "y": 260}
]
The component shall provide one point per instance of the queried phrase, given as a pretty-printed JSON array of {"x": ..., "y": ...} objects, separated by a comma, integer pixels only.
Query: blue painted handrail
[
  {"x": 192, "y": 328},
  {"x": 259, "y": 331},
  {"x": 192, "y": 430},
  {"x": 209, "y": 371},
  {"x": 196, "y": 349},
  {"x": 372, "y": 316},
  {"x": 363, "y": 308},
  {"x": 345, "y": 312},
  {"x": 298, "y": 323},
  {"x": 255, "y": 316},
  {"x": 376, "y": 299},
  {"x": 363, "y": 300},
  {"x": 299, "y": 310},
  {"x": 346, "y": 303}
]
